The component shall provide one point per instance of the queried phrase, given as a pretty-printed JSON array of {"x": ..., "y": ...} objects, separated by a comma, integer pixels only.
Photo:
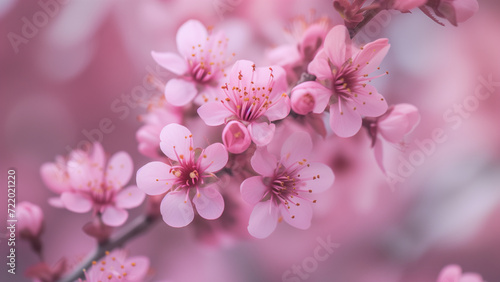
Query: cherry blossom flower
[
  {"x": 200, "y": 64},
  {"x": 30, "y": 219},
  {"x": 345, "y": 71},
  {"x": 453, "y": 273},
  {"x": 399, "y": 121},
  {"x": 115, "y": 266},
  {"x": 85, "y": 181},
  {"x": 188, "y": 175},
  {"x": 283, "y": 189},
  {"x": 253, "y": 96}
]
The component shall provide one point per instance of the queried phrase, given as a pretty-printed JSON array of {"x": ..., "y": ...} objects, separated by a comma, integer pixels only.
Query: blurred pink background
[{"x": 84, "y": 61}]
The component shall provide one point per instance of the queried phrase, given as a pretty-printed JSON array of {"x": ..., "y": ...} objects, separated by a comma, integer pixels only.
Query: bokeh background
[{"x": 89, "y": 55}]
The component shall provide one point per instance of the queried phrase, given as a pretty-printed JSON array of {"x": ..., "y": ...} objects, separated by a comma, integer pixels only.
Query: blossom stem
[
  {"x": 133, "y": 229},
  {"x": 368, "y": 16}
]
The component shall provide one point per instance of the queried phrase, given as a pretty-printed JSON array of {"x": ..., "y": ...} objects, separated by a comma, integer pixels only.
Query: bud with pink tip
[
  {"x": 236, "y": 137},
  {"x": 30, "y": 220},
  {"x": 309, "y": 97}
]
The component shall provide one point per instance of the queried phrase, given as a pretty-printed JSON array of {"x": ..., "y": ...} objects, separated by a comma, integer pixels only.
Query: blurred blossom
[
  {"x": 85, "y": 181},
  {"x": 42, "y": 272},
  {"x": 281, "y": 192},
  {"x": 190, "y": 174},
  {"x": 455, "y": 11},
  {"x": 30, "y": 218},
  {"x": 116, "y": 266},
  {"x": 453, "y": 273}
]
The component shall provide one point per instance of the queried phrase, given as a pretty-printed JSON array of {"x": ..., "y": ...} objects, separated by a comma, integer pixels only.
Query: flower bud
[
  {"x": 236, "y": 137},
  {"x": 30, "y": 220},
  {"x": 309, "y": 96}
]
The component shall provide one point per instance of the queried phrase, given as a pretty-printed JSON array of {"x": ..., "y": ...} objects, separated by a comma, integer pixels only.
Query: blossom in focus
[
  {"x": 399, "y": 121},
  {"x": 86, "y": 180},
  {"x": 199, "y": 66},
  {"x": 236, "y": 137},
  {"x": 284, "y": 187},
  {"x": 453, "y": 273},
  {"x": 254, "y": 97},
  {"x": 187, "y": 177},
  {"x": 115, "y": 266},
  {"x": 30, "y": 219},
  {"x": 345, "y": 70}
]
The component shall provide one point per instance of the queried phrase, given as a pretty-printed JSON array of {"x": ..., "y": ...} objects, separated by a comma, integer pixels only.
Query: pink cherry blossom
[
  {"x": 399, "y": 121},
  {"x": 453, "y": 273},
  {"x": 85, "y": 181},
  {"x": 236, "y": 137},
  {"x": 253, "y": 96},
  {"x": 284, "y": 187},
  {"x": 30, "y": 219},
  {"x": 345, "y": 70},
  {"x": 115, "y": 266},
  {"x": 200, "y": 64},
  {"x": 189, "y": 174}
]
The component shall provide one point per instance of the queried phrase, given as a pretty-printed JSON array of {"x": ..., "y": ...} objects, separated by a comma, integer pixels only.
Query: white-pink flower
[
  {"x": 86, "y": 180},
  {"x": 453, "y": 273},
  {"x": 115, "y": 267},
  {"x": 344, "y": 70},
  {"x": 285, "y": 186},
  {"x": 30, "y": 219},
  {"x": 187, "y": 177},
  {"x": 199, "y": 67},
  {"x": 254, "y": 97}
]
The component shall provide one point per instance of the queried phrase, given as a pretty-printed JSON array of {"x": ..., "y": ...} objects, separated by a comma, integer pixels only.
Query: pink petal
[
  {"x": 56, "y": 202},
  {"x": 236, "y": 137},
  {"x": 345, "y": 123},
  {"x": 114, "y": 216},
  {"x": 176, "y": 140},
  {"x": 262, "y": 133},
  {"x": 130, "y": 197},
  {"x": 338, "y": 45},
  {"x": 119, "y": 170},
  {"x": 450, "y": 273},
  {"x": 309, "y": 176},
  {"x": 76, "y": 202},
  {"x": 296, "y": 147},
  {"x": 154, "y": 178},
  {"x": 180, "y": 92},
  {"x": 280, "y": 84},
  {"x": 263, "y": 162},
  {"x": 242, "y": 73},
  {"x": 190, "y": 34},
  {"x": 176, "y": 209},
  {"x": 373, "y": 53},
  {"x": 214, "y": 158},
  {"x": 54, "y": 177},
  {"x": 399, "y": 122},
  {"x": 209, "y": 203},
  {"x": 310, "y": 96},
  {"x": 137, "y": 268},
  {"x": 298, "y": 216},
  {"x": 319, "y": 66},
  {"x": 171, "y": 62},
  {"x": 406, "y": 5},
  {"x": 279, "y": 110},
  {"x": 253, "y": 189},
  {"x": 366, "y": 104},
  {"x": 378, "y": 150},
  {"x": 213, "y": 113},
  {"x": 471, "y": 277},
  {"x": 263, "y": 219},
  {"x": 284, "y": 54}
]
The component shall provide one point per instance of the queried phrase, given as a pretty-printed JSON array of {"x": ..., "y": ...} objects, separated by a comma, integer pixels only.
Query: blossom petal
[
  {"x": 263, "y": 219},
  {"x": 372, "y": 55},
  {"x": 262, "y": 133},
  {"x": 378, "y": 150},
  {"x": 471, "y": 277},
  {"x": 154, "y": 178},
  {"x": 298, "y": 216},
  {"x": 280, "y": 109},
  {"x": 190, "y": 34},
  {"x": 450, "y": 273},
  {"x": 263, "y": 162},
  {"x": 399, "y": 122},
  {"x": 368, "y": 102},
  {"x": 338, "y": 45},
  {"x": 209, "y": 203},
  {"x": 253, "y": 189},
  {"x": 119, "y": 170},
  {"x": 176, "y": 209},
  {"x": 54, "y": 177},
  {"x": 114, "y": 216},
  {"x": 296, "y": 147},
  {"x": 344, "y": 123},
  {"x": 180, "y": 92},
  {"x": 56, "y": 202},
  {"x": 319, "y": 66},
  {"x": 242, "y": 73},
  {"x": 176, "y": 140},
  {"x": 171, "y": 62},
  {"x": 214, "y": 157},
  {"x": 76, "y": 202},
  {"x": 130, "y": 197},
  {"x": 317, "y": 177},
  {"x": 136, "y": 268},
  {"x": 213, "y": 113}
]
